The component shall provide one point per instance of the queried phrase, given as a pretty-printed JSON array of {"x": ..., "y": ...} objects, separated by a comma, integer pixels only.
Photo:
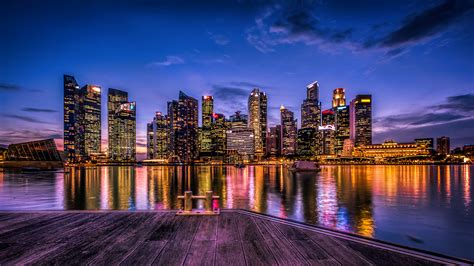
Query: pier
[{"x": 235, "y": 237}]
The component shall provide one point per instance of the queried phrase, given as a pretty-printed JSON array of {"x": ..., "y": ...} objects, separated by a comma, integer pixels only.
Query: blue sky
[{"x": 414, "y": 57}]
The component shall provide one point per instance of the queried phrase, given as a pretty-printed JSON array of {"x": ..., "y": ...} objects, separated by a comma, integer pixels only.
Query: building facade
[
  {"x": 307, "y": 143},
  {"x": 311, "y": 107},
  {"x": 121, "y": 126},
  {"x": 207, "y": 109},
  {"x": 274, "y": 141},
  {"x": 327, "y": 133},
  {"x": 157, "y": 138},
  {"x": 240, "y": 142},
  {"x": 257, "y": 119},
  {"x": 391, "y": 149},
  {"x": 91, "y": 119},
  {"x": 361, "y": 120},
  {"x": 71, "y": 94},
  {"x": 443, "y": 145},
  {"x": 288, "y": 132}
]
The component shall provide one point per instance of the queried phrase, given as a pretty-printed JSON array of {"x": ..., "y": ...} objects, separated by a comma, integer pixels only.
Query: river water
[{"x": 426, "y": 207}]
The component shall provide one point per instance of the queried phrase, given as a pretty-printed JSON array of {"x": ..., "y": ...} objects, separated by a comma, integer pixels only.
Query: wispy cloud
[
  {"x": 9, "y": 136},
  {"x": 24, "y": 118},
  {"x": 38, "y": 110},
  {"x": 170, "y": 60},
  {"x": 9, "y": 87},
  {"x": 218, "y": 38}
]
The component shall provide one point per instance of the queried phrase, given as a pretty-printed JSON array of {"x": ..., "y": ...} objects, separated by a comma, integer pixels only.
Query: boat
[{"x": 304, "y": 166}]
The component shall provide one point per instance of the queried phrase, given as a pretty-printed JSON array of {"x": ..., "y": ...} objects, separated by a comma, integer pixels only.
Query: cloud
[
  {"x": 247, "y": 84},
  {"x": 38, "y": 110},
  {"x": 453, "y": 108},
  {"x": 9, "y": 87},
  {"x": 25, "y": 118},
  {"x": 427, "y": 23},
  {"x": 228, "y": 93},
  {"x": 170, "y": 60},
  {"x": 218, "y": 38},
  {"x": 8, "y": 136}
]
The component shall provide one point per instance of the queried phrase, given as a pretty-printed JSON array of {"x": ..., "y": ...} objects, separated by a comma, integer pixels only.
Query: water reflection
[{"x": 433, "y": 203}]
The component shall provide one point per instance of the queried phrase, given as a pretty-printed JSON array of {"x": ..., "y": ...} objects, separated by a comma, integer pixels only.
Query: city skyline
[{"x": 424, "y": 90}]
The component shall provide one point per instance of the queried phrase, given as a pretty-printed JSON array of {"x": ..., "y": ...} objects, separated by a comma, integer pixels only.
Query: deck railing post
[
  {"x": 208, "y": 204},
  {"x": 188, "y": 201},
  {"x": 208, "y": 201}
]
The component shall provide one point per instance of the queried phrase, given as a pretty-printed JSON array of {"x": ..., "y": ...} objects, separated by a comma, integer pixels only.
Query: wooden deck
[{"x": 235, "y": 237}]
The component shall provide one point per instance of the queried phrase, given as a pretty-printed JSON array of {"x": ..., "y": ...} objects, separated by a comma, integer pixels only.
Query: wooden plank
[
  {"x": 207, "y": 229},
  {"x": 145, "y": 253},
  {"x": 278, "y": 244},
  {"x": 228, "y": 245},
  {"x": 201, "y": 252},
  {"x": 256, "y": 250}
]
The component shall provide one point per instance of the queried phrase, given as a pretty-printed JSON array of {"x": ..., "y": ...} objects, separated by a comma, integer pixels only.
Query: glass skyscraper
[
  {"x": 361, "y": 120},
  {"x": 71, "y": 92},
  {"x": 342, "y": 119},
  {"x": 206, "y": 131},
  {"x": 257, "y": 119},
  {"x": 91, "y": 118},
  {"x": 288, "y": 132},
  {"x": 311, "y": 107},
  {"x": 121, "y": 126}
]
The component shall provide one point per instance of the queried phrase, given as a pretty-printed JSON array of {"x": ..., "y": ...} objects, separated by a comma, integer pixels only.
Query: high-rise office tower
[
  {"x": 122, "y": 126},
  {"x": 183, "y": 116},
  {"x": 443, "y": 145},
  {"x": 288, "y": 132},
  {"x": 327, "y": 133},
  {"x": 274, "y": 141},
  {"x": 342, "y": 127},
  {"x": 206, "y": 130},
  {"x": 311, "y": 107},
  {"x": 150, "y": 144},
  {"x": 218, "y": 134},
  {"x": 71, "y": 89},
  {"x": 157, "y": 140},
  {"x": 306, "y": 144},
  {"x": 361, "y": 120},
  {"x": 257, "y": 119},
  {"x": 338, "y": 97},
  {"x": 240, "y": 140},
  {"x": 91, "y": 115}
]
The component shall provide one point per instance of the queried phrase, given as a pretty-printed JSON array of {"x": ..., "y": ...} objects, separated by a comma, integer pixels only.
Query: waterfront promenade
[{"x": 235, "y": 237}]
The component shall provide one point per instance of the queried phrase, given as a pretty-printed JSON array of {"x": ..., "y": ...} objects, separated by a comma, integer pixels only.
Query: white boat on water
[{"x": 304, "y": 166}]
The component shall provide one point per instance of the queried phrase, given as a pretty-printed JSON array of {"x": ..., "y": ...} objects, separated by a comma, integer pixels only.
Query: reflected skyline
[{"x": 435, "y": 201}]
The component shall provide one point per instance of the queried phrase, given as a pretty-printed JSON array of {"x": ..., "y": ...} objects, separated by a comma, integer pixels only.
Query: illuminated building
[
  {"x": 361, "y": 120},
  {"x": 218, "y": 135},
  {"x": 338, "y": 97},
  {"x": 122, "y": 126},
  {"x": 347, "y": 148},
  {"x": 91, "y": 119},
  {"x": 311, "y": 107},
  {"x": 288, "y": 132},
  {"x": 274, "y": 141},
  {"x": 40, "y": 153},
  {"x": 238, "y": 119},
  {"x": 442, "y": 145},
  {"x": 391, "y": 149},
  {"x": 71, "y": 94},
  {"x": 327, "y": 133},
  {"x": 240, "y": 142},
  {"x": 257, "y": 119},
  {"x": 206, "y": 130},
  {"x": 428, "y": 142},
  {"x": 342, "y": 123},
  {"x": 307, "y": 142},
  {"x": 183, "y": 115},
  {"x": 157, "y": 138}
]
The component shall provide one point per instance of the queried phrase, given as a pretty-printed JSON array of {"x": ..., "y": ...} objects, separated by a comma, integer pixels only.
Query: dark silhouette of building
[
  {"x": 443, "y": 145},
  {"x": 274, "y": 141},
  {"x": 361, "y": 120},
  {"x": 307, "y": 142},
  {"x": 121, "y": 126},
  {"x": 40, "y": 154}
]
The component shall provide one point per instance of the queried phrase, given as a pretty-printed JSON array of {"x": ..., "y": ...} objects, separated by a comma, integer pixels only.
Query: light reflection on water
[{"x": 392, "y": 203}]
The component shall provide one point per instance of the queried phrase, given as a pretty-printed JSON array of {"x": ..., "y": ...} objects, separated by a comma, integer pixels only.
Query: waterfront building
[
  {"x": 157, "y": 138},
  {"x": 288, "y": 132},
  {"x": 240, "y": 142},
  {"x": 361, "y": 120},
  {"x": 218, "y": 135},
  {"x": 306, "y": 146},
  {"x": 342, "y": 124},
  {"x": 327, "y": 133},
  {"x": 71, "y": 94},
  {"x": 428, "y": 142},
  {"x": 121, "y": 126},
  {"x": 90, "y": 119},
  {"x": 205, "y": 144},
  {"x": 257, "y": 119},
  {"x": 338, "y": 97},
  {"x": 391, "y": 149},
  {"x": 274, "y": 141},
  {"x": 348, "y": 148},
  {"x": 443, "y": 145},
  {"x": 183, "y": 115},
  {"x": 39, "y": 153},
  {"x": 311, "y": 107}
]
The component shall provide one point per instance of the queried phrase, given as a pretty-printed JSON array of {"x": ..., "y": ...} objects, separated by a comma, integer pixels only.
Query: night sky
[{"x": 415, "y": 57}]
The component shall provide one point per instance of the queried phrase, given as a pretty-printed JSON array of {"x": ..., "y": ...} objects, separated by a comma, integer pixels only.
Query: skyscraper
[
  {"x": 443, "y": 145},
  {"x": 327, "y": 133},
  {"x": 207, "y": 112},
  {"x": 338, "y": 97},
  {"x": 341, "y": 119},
  {"x": 157, "y": 140},
  {"x": 361, "y": 120},
  {"x": 274, "y": 141},
  {"x": 218, "y": 134},
  {"x": 183, "y": 115},
  {"x": 240, "y": 141},
  {"x": 257, "y": 119},
  {"x": 307, "y": 142},
  {"x": 71, "y": 89},
  {"x": 122, "y": 126},
  {"x": 91, "y": 118},
  {"x": 311, "y": 107},
  {"x": 288, "y": 132}
]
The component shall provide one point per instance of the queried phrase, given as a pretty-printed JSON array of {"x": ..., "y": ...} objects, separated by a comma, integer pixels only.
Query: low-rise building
[{"x": 392, "y": 149}]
